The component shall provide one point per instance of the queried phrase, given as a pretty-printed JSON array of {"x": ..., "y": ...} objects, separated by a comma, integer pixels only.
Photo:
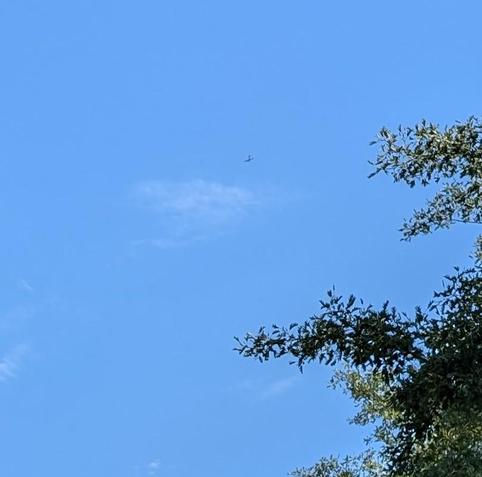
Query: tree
[{"x": 418, "y": 376}]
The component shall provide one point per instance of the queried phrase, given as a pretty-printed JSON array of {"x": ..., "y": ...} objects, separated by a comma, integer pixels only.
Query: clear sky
[{"x": 136, "y": 242}]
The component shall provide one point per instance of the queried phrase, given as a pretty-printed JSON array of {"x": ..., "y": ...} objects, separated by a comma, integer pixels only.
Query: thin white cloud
[
  {"x": 154, "y": 466},
  {"x": 191, "y": 210},
  {"x": 262, "y": 389},
  {"x": 278, "y": 387},
  {"x": 10, "y": 363},
  {"x": 209, "y": 201},
  {"x": 167, "y": 243},
  {"x": 25, "y": 285}
]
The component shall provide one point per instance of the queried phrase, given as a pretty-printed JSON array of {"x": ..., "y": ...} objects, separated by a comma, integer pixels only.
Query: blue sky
[{"x": 136, "y": 242}]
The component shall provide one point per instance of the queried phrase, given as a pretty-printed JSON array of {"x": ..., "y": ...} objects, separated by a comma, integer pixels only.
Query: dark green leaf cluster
[
  {"x": 381, "y": 340},
  {"x": 429, "y": 362},
  {"x": 426, "y": 154},
  {"x": 449, "y": 376}
]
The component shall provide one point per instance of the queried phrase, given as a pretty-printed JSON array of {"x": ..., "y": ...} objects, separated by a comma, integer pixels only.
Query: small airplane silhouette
[{"x": 250, "y": 158}]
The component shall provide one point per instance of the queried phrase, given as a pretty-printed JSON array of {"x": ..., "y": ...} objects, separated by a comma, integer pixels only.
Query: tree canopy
[{"x": 416, "y": 376}]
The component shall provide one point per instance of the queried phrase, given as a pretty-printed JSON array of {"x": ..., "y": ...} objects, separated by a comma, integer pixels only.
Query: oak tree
[{"x": 416, "y": 376}]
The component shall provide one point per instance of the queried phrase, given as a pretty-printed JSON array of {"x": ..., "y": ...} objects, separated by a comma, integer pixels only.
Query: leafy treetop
[{"x": 426, "y": 368}]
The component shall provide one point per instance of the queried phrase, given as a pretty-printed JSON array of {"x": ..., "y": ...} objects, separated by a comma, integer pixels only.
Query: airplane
[{"x": 250, "y": 158}]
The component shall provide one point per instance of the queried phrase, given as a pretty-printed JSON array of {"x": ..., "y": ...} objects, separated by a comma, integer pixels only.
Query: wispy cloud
[
  {"x": 263, "y": 389},
  {"x": 192, "y": 210},
  {"x": 278, "y": 387},
  {"x": 25, "y": 285},
  {"x": 176, "y": 240},
  {"x": 209, "y": 201},
  {"x": 10, "y": 363},
  {"x": 153, "y": 467}
]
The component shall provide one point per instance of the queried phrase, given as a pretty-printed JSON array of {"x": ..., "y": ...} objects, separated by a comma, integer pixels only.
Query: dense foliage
[{"x": 418, "y": 376}]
